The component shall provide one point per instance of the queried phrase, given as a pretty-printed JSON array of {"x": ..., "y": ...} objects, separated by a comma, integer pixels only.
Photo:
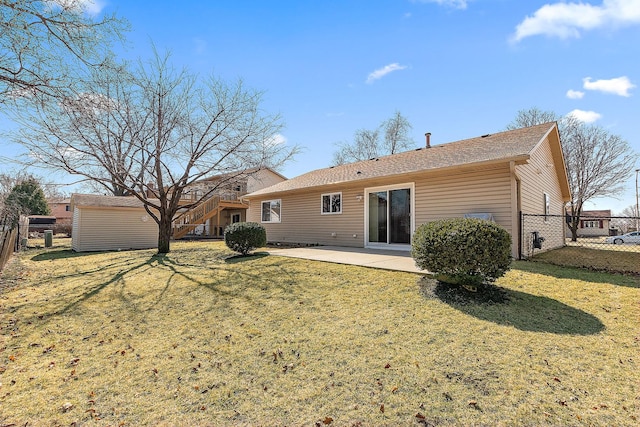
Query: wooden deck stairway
[{"x": 198, "y": 215}]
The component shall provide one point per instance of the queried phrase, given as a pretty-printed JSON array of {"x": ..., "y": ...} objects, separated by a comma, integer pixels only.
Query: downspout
[{"x": 516, "y": 215}]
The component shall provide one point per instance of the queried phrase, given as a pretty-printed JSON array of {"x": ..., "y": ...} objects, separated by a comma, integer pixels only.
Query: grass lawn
[
  {"x": 595, "y": 259},
  {"x": 199, "y": 337}
]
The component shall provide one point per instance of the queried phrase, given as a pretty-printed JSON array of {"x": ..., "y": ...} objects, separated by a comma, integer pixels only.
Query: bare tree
[
  {"x": 153, "y": 132},
  {"x": 598, "y": 163},
  {"x": 627, "y": 219},
  {"x": 531, "y": 117},
  {"x": 43, "y": 44},
  {"x": 367, "y": 144},
  {"x": 396, "y": 134}
]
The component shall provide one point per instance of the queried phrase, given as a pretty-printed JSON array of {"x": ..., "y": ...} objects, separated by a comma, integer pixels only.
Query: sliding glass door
[{"x": 389, "y": 216}]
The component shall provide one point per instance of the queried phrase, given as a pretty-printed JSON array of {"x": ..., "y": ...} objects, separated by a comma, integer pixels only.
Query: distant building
[
  {"x": 594, "y": 223},
  {"x": 61, "y": 209}
]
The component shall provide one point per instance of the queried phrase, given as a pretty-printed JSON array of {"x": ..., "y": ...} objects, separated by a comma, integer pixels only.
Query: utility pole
[{"x": 637, "y": 210}]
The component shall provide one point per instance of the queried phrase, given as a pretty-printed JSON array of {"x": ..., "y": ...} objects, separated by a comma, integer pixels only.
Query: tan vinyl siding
[
  {"x": 537, "y": 178},
  {"x": 302, "y": 221},
  {"x": 437, "y": 195},
  {"x": 76, "y": 230},
  {"x": 262, "y": 179},
  {"x": 453, "y": 195},
  {"x": 103, "y": 229}
]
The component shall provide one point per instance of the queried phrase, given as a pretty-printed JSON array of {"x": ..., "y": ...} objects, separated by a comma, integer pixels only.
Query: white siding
[{"x": 104, "y": 229}]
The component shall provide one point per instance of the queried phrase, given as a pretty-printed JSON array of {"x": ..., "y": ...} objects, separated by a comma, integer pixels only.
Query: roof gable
[{"x": 504, "y": 146}]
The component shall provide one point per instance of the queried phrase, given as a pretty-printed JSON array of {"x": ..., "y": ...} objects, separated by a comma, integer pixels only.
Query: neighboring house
[
  {"x": 104, "y": 223},
  {"x": 594, "y": 223},
  {"x": 378, "y": 203},
  {"x": 223, "y": 206},
  {"x": 113, "y": 223},
  {"x": 61, "y": 210}
]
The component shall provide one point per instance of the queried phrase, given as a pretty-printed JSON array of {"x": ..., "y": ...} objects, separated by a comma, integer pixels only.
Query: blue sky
[{"x": 455, "y": 68}]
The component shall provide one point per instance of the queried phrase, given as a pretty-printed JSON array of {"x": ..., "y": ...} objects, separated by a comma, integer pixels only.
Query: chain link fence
[{"x": 540, "y": 233}]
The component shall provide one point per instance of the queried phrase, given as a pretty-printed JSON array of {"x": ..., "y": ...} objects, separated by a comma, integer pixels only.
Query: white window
[
  {"x": 331, "y": 203},
  {"x": 591, "y": 224},
  {"x": 271, "y": 211}
]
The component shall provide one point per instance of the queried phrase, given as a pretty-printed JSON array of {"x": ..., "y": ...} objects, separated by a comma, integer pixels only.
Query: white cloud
[
  {"x": 93, "y": 7},
  {"x": 618, "y": 86},
  {"x": 381, "y": 72},
  {"x": 575, "y": 94},
  {"x": 568, "y": 20},
  {"x": 90, "y": 7},
  {"x": 585, "y": 116},
  {"x": 457, "y": 4},
  {"x": 276, "y": 139}
]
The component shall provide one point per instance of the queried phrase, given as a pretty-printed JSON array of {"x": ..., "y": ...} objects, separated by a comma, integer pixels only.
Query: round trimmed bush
[
  {"x": 243, "y": 237},
  {"x": 462, "y": 251}
]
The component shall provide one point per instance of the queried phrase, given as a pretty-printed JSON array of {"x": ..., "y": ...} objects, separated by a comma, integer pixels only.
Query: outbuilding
[{"x": 103, "y": 223}]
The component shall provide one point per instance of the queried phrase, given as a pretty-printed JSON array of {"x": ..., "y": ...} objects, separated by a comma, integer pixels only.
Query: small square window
[
  {"x": 331, "y": 203},
  {"x": 271, "y": 211}
]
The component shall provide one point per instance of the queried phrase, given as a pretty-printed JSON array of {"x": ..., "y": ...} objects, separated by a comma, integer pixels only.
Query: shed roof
[
  {"x": 503, "y": 146},
  {"x": 96, "y": 200}
]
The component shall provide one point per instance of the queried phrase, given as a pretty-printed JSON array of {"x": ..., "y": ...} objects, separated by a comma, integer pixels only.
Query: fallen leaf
[
  {"x": 327, "y": 420},
  {"x": 66, "y": 407},
  {"x": 472, "y": 403},
  {"x": 420, "y": 416},
  {"x": 382, "y": 408},
  {"x": 556, "y": 379},
  {"x": 393, "y": 390}
]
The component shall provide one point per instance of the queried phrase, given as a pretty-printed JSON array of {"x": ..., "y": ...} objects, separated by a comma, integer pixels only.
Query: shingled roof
[
  {"x": 95, "y": 200},
  {"x": 504, "y": 146}
]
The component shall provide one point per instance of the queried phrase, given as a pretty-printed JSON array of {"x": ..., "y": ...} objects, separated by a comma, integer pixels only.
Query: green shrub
[
  {"x": 463, "y": 251},
  {"x": 243, "y": 237}
]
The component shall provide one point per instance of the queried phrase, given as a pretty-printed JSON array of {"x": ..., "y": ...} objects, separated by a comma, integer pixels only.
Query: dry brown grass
[
  {"x": 199, "y": 337},
  {"x": 614, "y": 261}
]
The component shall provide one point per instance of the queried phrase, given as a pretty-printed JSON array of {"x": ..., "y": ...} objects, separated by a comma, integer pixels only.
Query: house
[
  {"x": 223, "y": 206},
  {"x": 103, "y": 223},
  {"x": 107, "y": 223},
  {"x": 594, "y": 223},
  {"x": 378, "y": 203},
  {"x": 61, "y": 210}
]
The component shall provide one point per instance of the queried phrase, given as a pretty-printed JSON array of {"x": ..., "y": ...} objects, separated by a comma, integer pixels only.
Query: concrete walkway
[{"x": 384, "y": 259}]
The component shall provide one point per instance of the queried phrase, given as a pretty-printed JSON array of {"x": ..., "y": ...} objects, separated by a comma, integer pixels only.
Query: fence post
[{"x": 520, "y": 233}]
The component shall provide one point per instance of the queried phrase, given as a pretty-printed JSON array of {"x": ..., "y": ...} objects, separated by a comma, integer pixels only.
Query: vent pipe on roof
[{"x": 428, "y": 137}]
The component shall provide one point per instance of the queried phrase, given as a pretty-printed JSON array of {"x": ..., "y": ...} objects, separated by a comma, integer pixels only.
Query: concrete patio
[{"x": 374, "y": 258}]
